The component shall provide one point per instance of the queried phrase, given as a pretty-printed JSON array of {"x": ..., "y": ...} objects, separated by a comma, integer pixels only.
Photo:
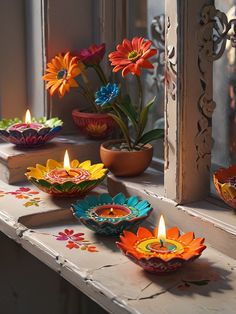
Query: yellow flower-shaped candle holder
[{"x": 76, "y": 179}]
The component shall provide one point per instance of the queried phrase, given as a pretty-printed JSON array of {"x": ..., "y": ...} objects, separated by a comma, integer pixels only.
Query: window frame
[{"x": 188, "y": 92}]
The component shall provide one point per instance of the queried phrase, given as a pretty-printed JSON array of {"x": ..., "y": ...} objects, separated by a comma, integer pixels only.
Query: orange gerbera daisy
[
  {"x": 60, "y": 73},
  {"x": 131, "y": 56}
]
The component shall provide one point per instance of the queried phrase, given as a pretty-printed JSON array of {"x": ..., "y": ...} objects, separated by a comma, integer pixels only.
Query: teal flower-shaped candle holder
[{"x": 108, "y": 215}]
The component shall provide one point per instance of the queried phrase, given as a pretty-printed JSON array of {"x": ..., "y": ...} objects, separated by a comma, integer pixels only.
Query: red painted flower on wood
[
  {"x": 72, "y": 245},
  {"x": 69, "y": 235},
  {"x": 131, "y": 56}
]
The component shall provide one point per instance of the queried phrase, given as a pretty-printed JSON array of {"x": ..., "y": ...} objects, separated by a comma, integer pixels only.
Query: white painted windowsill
[{"x": 114, "y": 282}]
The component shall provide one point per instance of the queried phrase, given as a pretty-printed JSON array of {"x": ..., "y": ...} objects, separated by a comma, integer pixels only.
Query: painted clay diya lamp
[
  {"x": 160, "y": 251},
  {"x": 29, "y": 133},
  {"x": 68, "y": 178},
  {"x": 225, "y": 183},
  {"x": 108, "y": 215}
]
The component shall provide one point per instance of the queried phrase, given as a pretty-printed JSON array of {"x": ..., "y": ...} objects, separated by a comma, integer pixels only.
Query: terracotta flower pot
[
  {"x": 125, "y": 163},
  {"x": 94, "y": 125}
]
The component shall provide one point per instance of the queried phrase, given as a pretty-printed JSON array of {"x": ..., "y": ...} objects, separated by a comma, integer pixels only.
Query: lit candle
[
  {"x": 160, "y": 244},
  {"x": 67, "y": 173},
  {"x": 28, "y": 124},
  {"x": 66, "y": 163},
  {"x": 163, "y": 245},
  {"x": 108, "y": 211},
  {"x": 161, "y": 235}
]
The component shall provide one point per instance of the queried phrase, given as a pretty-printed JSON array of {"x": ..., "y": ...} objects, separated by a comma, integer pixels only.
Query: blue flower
[{"x": 107, "y": 94}]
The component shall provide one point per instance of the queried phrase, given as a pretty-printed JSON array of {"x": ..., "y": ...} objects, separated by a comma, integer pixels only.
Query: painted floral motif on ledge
[
  {"x": 25, "y": 194},
  {"x": 76, "y": 241}
]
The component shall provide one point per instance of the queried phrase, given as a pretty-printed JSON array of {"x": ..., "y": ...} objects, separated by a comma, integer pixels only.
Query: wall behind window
[
  {"x": 71, "y": 25},
  {"x": 35, "y": 56},
  {"x": 13, "y": 97},
  {"x": 139, "y": 20}
]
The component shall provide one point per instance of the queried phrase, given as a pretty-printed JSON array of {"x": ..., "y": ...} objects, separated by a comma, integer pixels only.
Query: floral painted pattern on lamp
[
  {"x": 29, "y": 133},
  {"x": 225, "y": 184},
  {"x": 110, "y": 216},
  {"x": 160, "y": 251},
  {"x": 68, "y": 178}
]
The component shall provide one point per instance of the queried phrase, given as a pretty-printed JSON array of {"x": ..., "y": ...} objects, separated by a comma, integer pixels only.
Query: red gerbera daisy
[
  {"x": 131, "y": 56},
  {"x": 92, "y": 55}
]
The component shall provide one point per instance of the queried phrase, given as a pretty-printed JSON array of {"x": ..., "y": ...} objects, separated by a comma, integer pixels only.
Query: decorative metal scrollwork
[
  {"x": 171, "y": 64},
  {"x": 215, "y": 31},
  {"x": 158, "y": 38},
  {"x": 230, "y": 32}
]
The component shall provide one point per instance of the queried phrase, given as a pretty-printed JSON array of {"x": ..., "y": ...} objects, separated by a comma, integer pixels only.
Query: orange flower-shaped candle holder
[
  {"x": 75, "y": 179},
  {"x": 225, "y": 183},
  {"x": 157, "y": 256}
]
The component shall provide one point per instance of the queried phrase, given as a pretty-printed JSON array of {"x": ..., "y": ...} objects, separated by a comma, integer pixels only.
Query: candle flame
[
  {"x": 66, "y": 163},
  {"x": 111, "y": 212},
  {"x": 28, "y": 117},
  {"x": 161, "y": 229}
]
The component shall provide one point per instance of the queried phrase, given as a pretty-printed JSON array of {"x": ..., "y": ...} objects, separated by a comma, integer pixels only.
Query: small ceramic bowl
[
  {"x": 90, "y": 212},
  {"x": 30, "y": 137},
  {"x": 94, "y": 125},
  {"x": 225, "y": 183},
  {"x": 88, "y": 177},
  {"x": 135, "y": 247}
]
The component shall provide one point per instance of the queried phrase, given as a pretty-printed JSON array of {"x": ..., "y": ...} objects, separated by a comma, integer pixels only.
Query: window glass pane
[
  {"x": 144, "y": 19},
  {"x": 224, "y": 117}
]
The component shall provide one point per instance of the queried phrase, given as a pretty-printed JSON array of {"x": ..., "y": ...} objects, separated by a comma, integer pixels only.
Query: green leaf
[
  {"x": 122, "y": 126},
  {"x": 144, "y": 116},
  {"x": 128, "y": 109},
  {"x": 151, "y": 136},
  {"x": 5, "y": 123},
  {"x": 53, "y": 122}
]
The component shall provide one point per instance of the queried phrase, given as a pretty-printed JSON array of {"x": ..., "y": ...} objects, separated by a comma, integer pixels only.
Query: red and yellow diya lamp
[
  {"x": 67, "y": 178},
  {"x": 68, "y": 173},
  {"x": 29, "y": 134},
  {"x": 28, "y": 124},
  {"x": 161, "y": 250}
]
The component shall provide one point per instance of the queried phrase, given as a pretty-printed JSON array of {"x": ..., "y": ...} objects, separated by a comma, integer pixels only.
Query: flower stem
[
  {"x": 116, "y": 108},
  {"x": 87, "y": 83},
  {"x": 87, "y": 95},
  {"x": 100, "y": 73},
  {"x": 50, "y": 108},
  {"x": 86, "y": 91},
  {"x": 140, "y": 94}
]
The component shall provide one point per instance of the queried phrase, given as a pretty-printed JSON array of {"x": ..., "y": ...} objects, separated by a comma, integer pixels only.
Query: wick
[
  {"x": 111, "y": 211},
  {"x": 67, "y": 171},
  {"x": 162, "y": 243}
]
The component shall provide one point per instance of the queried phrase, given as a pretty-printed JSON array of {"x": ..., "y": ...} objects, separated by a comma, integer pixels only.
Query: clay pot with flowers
[
  {"x": 133, "y": 154},
  {"x": 66, "y": 71}
]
